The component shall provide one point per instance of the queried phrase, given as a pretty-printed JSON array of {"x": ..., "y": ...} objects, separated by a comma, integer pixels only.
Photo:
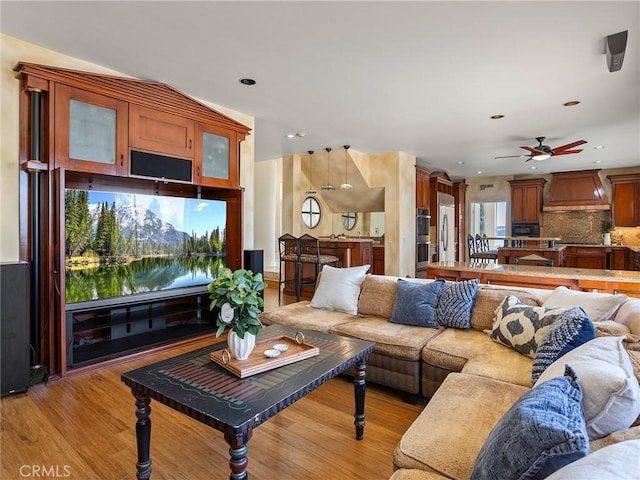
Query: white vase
[
  {"x": 241, "y": 348},
  {"x": 606, "y": 239}
]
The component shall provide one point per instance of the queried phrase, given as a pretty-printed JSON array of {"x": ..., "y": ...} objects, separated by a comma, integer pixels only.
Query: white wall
[{"x": 268, "y": 210}]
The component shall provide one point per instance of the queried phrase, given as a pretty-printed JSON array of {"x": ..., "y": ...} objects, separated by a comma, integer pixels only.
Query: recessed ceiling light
[
  {"x": 290, "y": 135},
  {"x": 572, "y": 103},
  {"x": 301, "y": 134},
  {"x": 597, "y": 161},
  {"x": 533, "y": 168},
  {"x": 460, "y": 162},
  {"x": 598, "y": 147},
  {"x": 478, "y": 172},
  {"x": 496, "y": 117},
  {"x": 247, "y": 81}
]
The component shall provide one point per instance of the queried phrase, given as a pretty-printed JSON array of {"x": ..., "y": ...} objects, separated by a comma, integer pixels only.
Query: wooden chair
[
  {"x": 482, "y": 250},
  {"x": 288, "y": 249},
  {"x": 309, "y": 253}
]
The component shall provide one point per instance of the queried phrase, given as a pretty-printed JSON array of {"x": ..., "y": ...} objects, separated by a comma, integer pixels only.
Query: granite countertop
[
  {"x": 601, "y": 245},
  {"x": 557, "y": 248},
  {"x": 347, "y": 240},
  {"x": 534, "y": 271}
]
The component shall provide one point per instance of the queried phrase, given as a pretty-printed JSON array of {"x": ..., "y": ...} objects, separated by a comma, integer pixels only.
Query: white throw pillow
[
  {"x": 610, "y": 390},
  {"x": 339, "y": 288},
  {"x": 598, "y": 306},
  {"x": 616, "y": 462}
]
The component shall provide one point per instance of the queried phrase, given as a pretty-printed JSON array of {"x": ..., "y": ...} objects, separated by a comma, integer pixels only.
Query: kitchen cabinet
[
  {"x": 217, "y": 156},
  {"x": 160, "y": 132},
  {"x": 378, "y": 260},
  {"x": 90, "y": 131},
  {"x": 625, "y": 208},
  {"x": 586, "y": 257},
  {"x": 526, "y": 200},
  {"x": 423, "y": 178}
]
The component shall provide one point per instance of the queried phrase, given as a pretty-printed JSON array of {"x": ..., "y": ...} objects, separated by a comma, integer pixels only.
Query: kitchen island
[
  {"x": 351, "y": 252},
  {"x": 586, "y": 279}
]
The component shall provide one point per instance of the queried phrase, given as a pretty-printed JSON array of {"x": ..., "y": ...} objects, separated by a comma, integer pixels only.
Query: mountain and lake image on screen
[{"x": 125, "y": 244}]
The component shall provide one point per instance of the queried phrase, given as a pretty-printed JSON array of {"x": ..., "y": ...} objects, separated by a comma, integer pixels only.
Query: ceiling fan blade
[
  {"x": 513, "y": 156},
  {"x": 566, "y": 152},
  {"x": 535, "y": 150},
  {"x": 569, "y": 145}
]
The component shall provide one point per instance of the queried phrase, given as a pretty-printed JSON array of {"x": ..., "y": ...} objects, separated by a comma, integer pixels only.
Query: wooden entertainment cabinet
[{"x": 82, "y": 130}]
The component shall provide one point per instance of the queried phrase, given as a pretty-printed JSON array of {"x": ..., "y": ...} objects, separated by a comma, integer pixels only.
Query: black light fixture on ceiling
[
  {"x": 328, "y": 186},
  {"x": 346, "y": 185},
  {"x": 311, "y": 190}
]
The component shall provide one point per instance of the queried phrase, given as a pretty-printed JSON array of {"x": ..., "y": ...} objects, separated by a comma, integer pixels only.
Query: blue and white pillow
[
  {"x": 541, "y": 433},
  {"x": 455, "y": 303},
  {"x": 416, "y": 302},
  {"x": 522, "y": 327},
  {"x": 569, "y": 331}
]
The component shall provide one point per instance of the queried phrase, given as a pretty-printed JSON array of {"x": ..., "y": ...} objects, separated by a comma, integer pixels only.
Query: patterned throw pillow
[
  {"x": 521, "y": 326},
  {"x": 455, "y": 302},
  {"x": 569, "y": 331},
  {"x": 415, "y": 303},
  {"x": 541, "y": 433}
]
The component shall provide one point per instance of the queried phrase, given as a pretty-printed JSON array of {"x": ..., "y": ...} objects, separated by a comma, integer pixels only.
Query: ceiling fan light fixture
[{"x": 540, "y": 156}]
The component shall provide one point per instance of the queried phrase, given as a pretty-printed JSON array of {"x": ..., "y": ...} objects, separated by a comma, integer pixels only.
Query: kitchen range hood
[{"x": 571, "y": 191}]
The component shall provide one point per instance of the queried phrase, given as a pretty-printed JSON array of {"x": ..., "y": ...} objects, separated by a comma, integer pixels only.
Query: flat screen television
[{"x": 123, "y": 244}]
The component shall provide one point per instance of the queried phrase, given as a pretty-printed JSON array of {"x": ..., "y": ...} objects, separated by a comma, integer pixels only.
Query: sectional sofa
[{"x": 473, "y": 383}]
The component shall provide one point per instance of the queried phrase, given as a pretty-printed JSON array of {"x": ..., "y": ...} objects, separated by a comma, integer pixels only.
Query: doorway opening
[{"x": 490, "y": 219}]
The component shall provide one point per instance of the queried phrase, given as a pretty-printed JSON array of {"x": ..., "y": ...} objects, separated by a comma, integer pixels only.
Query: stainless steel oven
[
  {"x": 423, "y": 219},
  {"x": 422, "y": 225},
  {"x": 422, "y": 255}
]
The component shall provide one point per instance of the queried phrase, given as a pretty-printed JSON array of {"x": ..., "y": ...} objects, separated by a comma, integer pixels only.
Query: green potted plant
[
  {"x": 237, "y": 295},
  {"x": 607, "y": 228}
]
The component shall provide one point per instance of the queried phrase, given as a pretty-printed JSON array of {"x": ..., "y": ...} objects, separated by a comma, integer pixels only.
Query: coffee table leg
[
  {"x": 238, "y": 455},
  {"x": 143, "y": 436},
  {"x": 359, "y": 387}
]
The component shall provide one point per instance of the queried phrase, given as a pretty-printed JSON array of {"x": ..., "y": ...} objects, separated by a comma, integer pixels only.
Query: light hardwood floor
[{"x": 83, "y": 427}]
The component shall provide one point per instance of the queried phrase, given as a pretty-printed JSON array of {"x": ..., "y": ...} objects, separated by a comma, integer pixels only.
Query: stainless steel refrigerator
[{"x": 446, "y": 228}]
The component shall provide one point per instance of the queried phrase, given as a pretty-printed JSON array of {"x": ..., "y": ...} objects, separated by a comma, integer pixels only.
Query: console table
[{"x": 194, "y": 385}]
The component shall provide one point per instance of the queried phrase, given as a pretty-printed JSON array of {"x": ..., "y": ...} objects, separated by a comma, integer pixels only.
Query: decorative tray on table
[{"x": 268, "y": 354}]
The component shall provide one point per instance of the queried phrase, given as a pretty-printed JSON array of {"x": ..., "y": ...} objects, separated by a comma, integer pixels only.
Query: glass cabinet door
[
  {"x": 217, "y": 161},
  {"x": 91, "y": 131}
]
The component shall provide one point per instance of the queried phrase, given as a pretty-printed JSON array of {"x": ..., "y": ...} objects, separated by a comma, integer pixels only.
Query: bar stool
[
  {"x": 288, "y": 249},
  {"x": 482, "y": 250},
  {"x": 309, "y": 253}
]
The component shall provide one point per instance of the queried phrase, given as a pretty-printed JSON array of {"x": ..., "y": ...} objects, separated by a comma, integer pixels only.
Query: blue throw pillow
[
  {"x": 416, "y": 302},
  {"x": 455, "y": 303},
  {"x": 569, "y": 331},
  {"x": 541, "y": 433}
]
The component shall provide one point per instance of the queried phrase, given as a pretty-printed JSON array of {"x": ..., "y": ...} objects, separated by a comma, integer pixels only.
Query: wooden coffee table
[{"x": 194, "y": 385}]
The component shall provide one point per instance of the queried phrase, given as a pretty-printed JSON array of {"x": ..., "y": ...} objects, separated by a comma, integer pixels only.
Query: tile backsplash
[{"x": 575, "y": 227}]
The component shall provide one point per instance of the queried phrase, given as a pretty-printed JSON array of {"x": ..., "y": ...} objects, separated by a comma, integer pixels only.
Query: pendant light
[
  {"x": 328, "y": 186},
  {"x": 311, "y": 191},
  {"x": 346, "y": 185}
]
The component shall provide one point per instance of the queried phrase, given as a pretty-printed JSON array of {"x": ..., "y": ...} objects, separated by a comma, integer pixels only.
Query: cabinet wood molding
[{"x": 141, "y": 92}]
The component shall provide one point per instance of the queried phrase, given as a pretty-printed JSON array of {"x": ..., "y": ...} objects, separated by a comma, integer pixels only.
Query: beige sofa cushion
[
  {"x": 489, "y": 299},
  {"x": 473, "y": 352},
  {"x": 404, "y": 342},
  {"x": 301, "y": 315},
  {"x": 435, "y": 442},
  {"x": 415, "y": 474},
  {"x": 629, "y": 315},
  {"x": 377, "y": 296}
]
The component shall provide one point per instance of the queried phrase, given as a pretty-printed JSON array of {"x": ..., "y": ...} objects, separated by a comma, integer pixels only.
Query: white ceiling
[{"x": 420, "y": 77}]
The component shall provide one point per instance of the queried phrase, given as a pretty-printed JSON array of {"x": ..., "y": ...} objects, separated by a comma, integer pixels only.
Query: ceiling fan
[{"x": 542, "y": 152}]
